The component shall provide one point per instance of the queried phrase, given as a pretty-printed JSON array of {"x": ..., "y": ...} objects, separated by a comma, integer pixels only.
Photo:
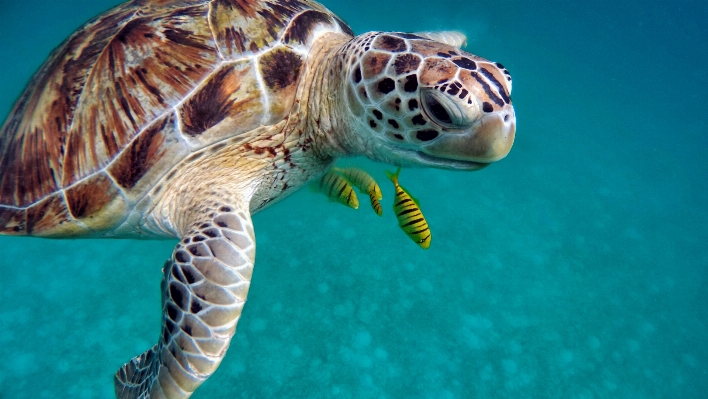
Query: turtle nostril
[{"x": 506, "y": 118}]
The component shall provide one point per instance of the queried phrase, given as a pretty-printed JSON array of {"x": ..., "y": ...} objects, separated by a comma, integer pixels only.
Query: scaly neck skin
[
  {"x": 328, "y": 125},
  {"x": 318, "y": 130}
]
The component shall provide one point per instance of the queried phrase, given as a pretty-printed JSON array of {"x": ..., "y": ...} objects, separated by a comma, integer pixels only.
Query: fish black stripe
[
  {"x": 344, "y": 187},
  {"x": 420, "y": 231},
  {"x": 322, "y": 182},
  {"x": 413, "y": 222},
  {"x": 494, "y": 80},
  {"x": 418, "y": 225},
  {"x": 358, "y": 177},
  {"x": 333, "y": 178},
  {"x": 349, "y": 197},
  {"x": 331, "y": 187},
  {"x": 488, "y": 90},
  {"x": 425, "y": 239},
  {"x": 325, "y": 181},
  {"x": 403, "y": 201},
  {"x": 400, "y": 212},
  {"x": 409, "y": 210}
]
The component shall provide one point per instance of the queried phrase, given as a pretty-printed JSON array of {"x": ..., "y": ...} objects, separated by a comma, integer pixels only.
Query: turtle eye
[
  {"x": 446, "y": 111},
  {"x": 437, "y": 110}
]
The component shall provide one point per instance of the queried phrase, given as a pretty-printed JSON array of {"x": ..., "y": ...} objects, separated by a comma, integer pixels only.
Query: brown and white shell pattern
[{"x": 136, "y": 91}]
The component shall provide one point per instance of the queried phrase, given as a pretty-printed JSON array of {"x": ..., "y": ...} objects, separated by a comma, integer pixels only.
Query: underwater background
[{"x": 574, "y": 268}]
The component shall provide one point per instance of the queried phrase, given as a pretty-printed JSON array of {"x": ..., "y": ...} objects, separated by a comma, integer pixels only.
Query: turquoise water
[{"x": 574, "y": 268}]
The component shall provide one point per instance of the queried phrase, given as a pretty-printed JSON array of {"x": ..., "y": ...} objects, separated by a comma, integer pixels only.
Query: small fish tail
[{"x": 394, "y": 176}]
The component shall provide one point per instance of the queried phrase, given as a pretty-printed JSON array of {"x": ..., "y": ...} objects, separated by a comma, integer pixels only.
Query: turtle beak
[{"x": 488, "y": 140}]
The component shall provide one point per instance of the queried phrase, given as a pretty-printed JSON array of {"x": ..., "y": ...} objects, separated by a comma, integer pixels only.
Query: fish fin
[
  {"x": 394, "y": 179},
  {"x": 394, "y": 176}
]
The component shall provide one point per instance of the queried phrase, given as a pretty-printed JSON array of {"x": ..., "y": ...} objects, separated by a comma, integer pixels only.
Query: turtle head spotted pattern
[{"x": 423, "y": 102}]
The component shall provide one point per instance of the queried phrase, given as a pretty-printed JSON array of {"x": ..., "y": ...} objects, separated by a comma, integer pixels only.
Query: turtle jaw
[
  {"x": 488, "y": 140},
  {"x": 447, "y": 163},
  {"x": 411, "y": 157}
]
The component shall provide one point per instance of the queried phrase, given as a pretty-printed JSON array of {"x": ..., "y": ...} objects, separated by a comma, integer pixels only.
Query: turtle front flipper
[{"x": 203, "y": 292}]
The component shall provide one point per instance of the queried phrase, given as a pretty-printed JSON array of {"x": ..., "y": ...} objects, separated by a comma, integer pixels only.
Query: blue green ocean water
[{"x": 574, "y": 268}]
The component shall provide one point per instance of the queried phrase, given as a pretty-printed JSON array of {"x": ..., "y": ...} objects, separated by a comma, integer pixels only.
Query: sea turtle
[{"x": 182, "y": 118}]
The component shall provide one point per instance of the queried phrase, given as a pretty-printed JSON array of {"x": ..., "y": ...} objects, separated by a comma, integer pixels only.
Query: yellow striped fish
[
  {"x": 375, "y": 203},
  {"x": 365, "y": 183},
  {"x": 338, "y": 189},
  {"x": 410, "y": 218}
]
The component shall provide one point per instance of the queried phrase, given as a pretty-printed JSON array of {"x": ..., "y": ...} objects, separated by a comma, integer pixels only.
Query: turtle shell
[{"x": 135, "y": 91}]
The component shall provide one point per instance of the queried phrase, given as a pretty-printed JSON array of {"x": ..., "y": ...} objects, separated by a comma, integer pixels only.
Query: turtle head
[{"x": 423, "y": 102}]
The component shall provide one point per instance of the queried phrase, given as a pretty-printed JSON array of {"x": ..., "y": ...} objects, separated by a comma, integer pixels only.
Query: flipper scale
[{"x": 203, "y": 292}]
